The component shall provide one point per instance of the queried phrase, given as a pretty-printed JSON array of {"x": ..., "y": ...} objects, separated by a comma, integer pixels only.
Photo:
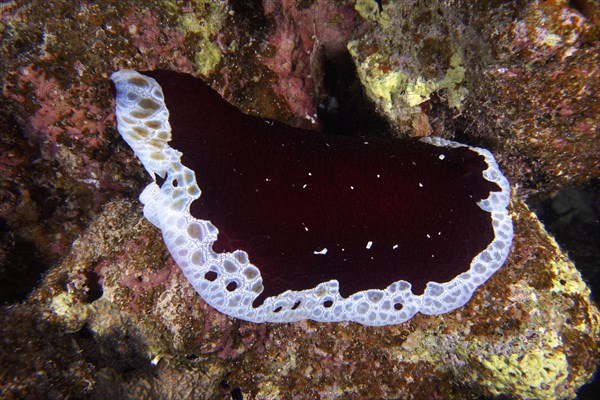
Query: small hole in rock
[
  {"x": 22, "y": 264},
  {"x": 236, "y": 394},
  {"x": 211, "y": 276},
  {"x": 85, "y": 332},
  {"x": 95, "y": 288}
]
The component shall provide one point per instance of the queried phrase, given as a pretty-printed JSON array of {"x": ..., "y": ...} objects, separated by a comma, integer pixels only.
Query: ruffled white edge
[{"x": 143, "y": 121}]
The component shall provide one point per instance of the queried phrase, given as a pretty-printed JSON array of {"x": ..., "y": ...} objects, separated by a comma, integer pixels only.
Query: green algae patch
[
  {"x": 567, "y": 279},
  {"x": 453, "y": 81},
  {"x": 381, "y": 85},
  {"x": 205, "y": 21},
  {"x": 538, "y": 373},
  {"x": 368, "y": 9},
  {"x": 207, "y": 58},
  {"x": 399, "y": 92}
]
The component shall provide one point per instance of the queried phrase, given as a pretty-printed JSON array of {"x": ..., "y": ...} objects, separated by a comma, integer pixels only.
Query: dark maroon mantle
[{"x": 283, "y": 194}]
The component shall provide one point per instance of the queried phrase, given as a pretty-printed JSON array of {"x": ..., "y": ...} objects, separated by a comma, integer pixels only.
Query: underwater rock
[
  {"x": 135, "y": 330},
  {"x": 135, "y": 322},
  {"x": 523, "y": 77}
]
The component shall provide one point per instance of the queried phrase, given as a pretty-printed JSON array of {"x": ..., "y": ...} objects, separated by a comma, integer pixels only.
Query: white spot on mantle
[
  {"x": 322, "y": 252},
  {"x": 369, "y": 244}
]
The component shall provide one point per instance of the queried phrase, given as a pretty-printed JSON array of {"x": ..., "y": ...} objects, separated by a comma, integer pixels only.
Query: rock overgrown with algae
[
  {"x": 121, "y": 312},
  {"x": 409, "y": 55},
  {"x": 520, "y": 78},
  {"x": 116, "y": 318}
]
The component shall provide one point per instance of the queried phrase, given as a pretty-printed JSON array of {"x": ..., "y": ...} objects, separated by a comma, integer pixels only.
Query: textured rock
[
  {"x": 521, "y": 78},
  {"x": 118, "y": 310},
  {"x": 116, "y": 318}
]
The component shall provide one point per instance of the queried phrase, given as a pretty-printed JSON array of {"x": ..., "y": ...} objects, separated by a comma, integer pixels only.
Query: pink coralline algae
[
  {"x": 62, "y": 117},
  {"x": 157, "y": 45},
  {"x": 62, "y": 137},
  {"x": 141, "y": 284}
]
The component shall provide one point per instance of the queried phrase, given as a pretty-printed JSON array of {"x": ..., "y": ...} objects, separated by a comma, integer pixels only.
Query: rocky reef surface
[{"x": 95, "y": 307}]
